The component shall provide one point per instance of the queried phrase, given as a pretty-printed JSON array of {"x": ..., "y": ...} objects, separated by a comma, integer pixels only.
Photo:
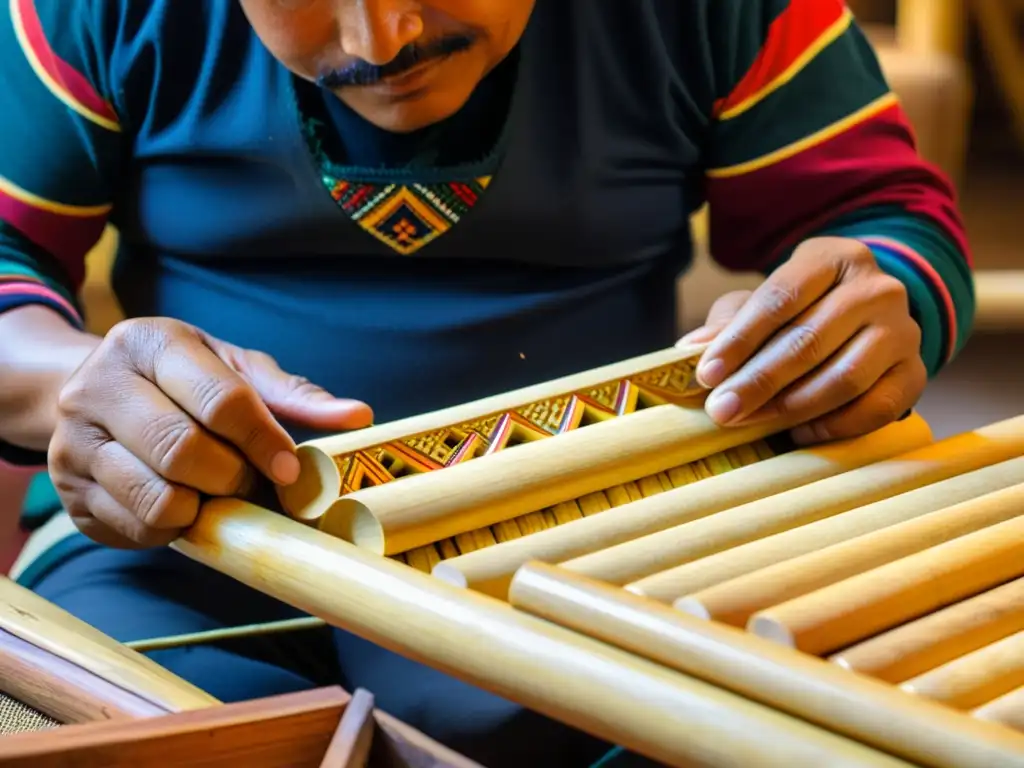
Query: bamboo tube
[
  {"x": 730, "y": 563},
  {"x": 607, "y": 692},
  {"x": 863, "y": 605},
  {"x": 656, "y": 565},
  {"x": 747, "y": 558},
  {"x": 933, "y": 640},
  {"x": 46, "y": 626},
  {"x": 319, "y": 483},
  {"x": 869, "y": 711},
  {"x": 736, "y": 600},
  {"x": 490, "y": 570},
  {"x": 1007, "y": 710},
  {"x": 421, "y": 509},
  {"x": 976, "y": 678}
]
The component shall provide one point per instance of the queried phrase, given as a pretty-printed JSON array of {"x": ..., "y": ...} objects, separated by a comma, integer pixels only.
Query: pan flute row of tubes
[
  {"x": 426, "y": 557},
  {"x": 889, "y": 560},
  {"x": 899, "y": 559}
]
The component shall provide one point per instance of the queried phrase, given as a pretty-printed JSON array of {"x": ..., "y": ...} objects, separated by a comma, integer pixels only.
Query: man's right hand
[{"x": 160, "y": 413}]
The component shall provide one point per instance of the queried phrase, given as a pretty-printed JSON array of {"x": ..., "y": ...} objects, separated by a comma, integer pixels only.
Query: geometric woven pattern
[
  {"x": 431, "y": 451},
  {"x": 406, "y": 216}
]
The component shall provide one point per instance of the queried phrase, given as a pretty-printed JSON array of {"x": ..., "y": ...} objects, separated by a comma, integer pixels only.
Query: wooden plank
[
  {"x": 293, "y": 730},
  {"x": 350, "y": 747},
  {"x": 63, "y": 690},
  {"x": 47, "y": 626}
]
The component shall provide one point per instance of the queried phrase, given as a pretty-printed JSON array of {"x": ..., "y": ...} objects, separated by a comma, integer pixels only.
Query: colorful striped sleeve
[
  {"x": 807, "y": 140},
  {"x": 59, "y": 147}
]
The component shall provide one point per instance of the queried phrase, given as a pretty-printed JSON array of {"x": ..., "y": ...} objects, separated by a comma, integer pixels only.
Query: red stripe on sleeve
[
  {"x": 791, "y": 34},
  {"x": 771, "y": 209},
  {"x": 74, "y": 85},
  {"x": 68, "y": 238}
]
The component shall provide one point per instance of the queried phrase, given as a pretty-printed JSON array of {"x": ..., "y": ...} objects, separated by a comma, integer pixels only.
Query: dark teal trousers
[{"x": 155, "y": 593}]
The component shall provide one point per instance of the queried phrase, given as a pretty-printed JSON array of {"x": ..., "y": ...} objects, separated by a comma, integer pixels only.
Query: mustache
[{"x": 363, "y": 73}]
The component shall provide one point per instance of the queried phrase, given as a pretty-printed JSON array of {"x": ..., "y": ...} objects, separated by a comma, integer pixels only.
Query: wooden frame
[
  {"x": 323, "y": 728},
  {"x": 120, "y": 709}
]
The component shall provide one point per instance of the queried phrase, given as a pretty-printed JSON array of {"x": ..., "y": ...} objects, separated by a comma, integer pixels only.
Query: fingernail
[
  {"x": 285, "y": 468},
  {"x": 723, "y": 407},
  {"x": 711, "y": 373}
]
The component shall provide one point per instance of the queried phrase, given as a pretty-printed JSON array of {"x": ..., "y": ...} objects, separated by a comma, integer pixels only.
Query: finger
[
  {"x": 136, "y": 487},
  {"x": 847, "y": 375},
  {"x": 721, "y": 312},
  {"x": 793, "y": 288},
  {"x": 99, "y": 516},
  {"x": 152, "y": 427},
  {"x": 887, "y": 401},
  {"x": 697, "y": 336},
  {"x": 300, "y": 401},
  {"x": 221, "y": 401},
  {"x": 795, "y": 351}
]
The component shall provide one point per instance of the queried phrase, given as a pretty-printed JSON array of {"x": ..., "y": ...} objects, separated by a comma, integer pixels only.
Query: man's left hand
[{"x": 827, "y": 341}]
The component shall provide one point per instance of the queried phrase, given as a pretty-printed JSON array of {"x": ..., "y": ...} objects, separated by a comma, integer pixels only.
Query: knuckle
[
  {"x": 222, "y": 399},
  {"x": 850, "y": 380},
  {"x": 820, "y": 431},
  {"x": 777, "y": 299},
  {"x": 762, "y": 382},
  {"x": 300, "y": 385},
  {"x": 886, "y": 406},
  {"x": 149, "y": 499},
  {"x": 804, "y": 343},
  {"x": 140, "y": 340},
  {"x": 890, "y": 289},
  {"x": 173, "y": 439}
]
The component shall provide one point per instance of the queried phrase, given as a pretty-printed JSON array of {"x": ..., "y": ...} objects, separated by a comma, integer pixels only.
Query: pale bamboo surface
[
  {"x": 1001, "y": 293},
  {"x": 64, "y": 691},
  {"x": 914, "y": 648},
  {"x": 44, "y": 625},
  {"x": 1007, "y": 710},
  {"x": 602, "y": 690},
  {"x": 856, "y": 608},
  {"x": 734, "y": 601},
  {"x": 740, "y": 560},
  {"x": 319, "y": 483},
  {"x": 490, "y": 570},
  {"x": 658, "y": 565},
  {"x": 872, "y": 712},
  {"x": 975, "y": 678},
  {"x": 421, "y": 509}
]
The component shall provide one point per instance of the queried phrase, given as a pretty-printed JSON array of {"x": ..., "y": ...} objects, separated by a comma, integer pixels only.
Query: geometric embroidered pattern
[
  {"x": 458, "y": 443},
  {"x": 406, "y": 216}
]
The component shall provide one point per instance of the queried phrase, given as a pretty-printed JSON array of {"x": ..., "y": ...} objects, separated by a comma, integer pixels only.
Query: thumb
[
  {"x": 719, "y": 316},
  {"x": 298, "y": 400}
]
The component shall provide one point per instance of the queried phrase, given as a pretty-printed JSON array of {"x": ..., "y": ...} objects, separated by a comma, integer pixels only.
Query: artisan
[{"x": 332, "y": 211}]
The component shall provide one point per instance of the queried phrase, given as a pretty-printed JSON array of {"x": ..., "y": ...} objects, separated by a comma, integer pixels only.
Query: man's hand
[
  {"x": 160, "y": 413},
  {"x": 827, "y": 340}
]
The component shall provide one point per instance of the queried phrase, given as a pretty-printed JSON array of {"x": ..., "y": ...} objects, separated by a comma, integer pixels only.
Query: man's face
[{"x": 400, "y": 64}]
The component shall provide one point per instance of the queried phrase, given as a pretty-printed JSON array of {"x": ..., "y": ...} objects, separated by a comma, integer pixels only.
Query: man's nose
[{"x": 376, "y": 30}]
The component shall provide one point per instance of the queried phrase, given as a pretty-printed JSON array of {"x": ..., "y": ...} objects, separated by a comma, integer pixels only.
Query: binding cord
[{"x": 228, "y": 633}]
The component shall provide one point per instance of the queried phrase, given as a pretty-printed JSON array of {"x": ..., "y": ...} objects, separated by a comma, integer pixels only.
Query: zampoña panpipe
[{"x": 597, "y": 549}]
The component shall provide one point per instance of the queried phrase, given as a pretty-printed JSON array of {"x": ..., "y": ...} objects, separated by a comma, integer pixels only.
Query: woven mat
[{"x": 16, "y": 717}]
